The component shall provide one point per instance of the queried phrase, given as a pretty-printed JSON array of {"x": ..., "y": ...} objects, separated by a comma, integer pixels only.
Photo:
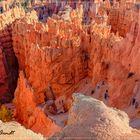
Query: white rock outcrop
[
  {"x": 14, "y": 131},
  {"x": 92, "y": 119}
]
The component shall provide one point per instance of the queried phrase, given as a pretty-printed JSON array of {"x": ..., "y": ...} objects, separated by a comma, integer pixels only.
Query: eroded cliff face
[
  {"x": 50, "y": 54},
  {"x": 8, "y": 60},
  {"x": 27, "y": 111},
  {"x": 117, "y": 63},
  {"x": 121, "y": 18},
  {"x": 62, "y": 56}
]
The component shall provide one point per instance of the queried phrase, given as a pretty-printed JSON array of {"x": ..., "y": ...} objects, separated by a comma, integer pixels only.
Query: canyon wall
[
  {"x": 50, "y": 53},
  {"x": 115, "y": 60},
  {"x": 50, "y": 56},
  {"x": 27, "y": 112},
  {"x": 121, "y": 19},
  {"x": 8, "y": 61},
  {"x": 59, "y": 55}
]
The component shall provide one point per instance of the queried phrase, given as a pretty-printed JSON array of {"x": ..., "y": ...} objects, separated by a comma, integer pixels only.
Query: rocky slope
[{"x": 99, "y": 123}]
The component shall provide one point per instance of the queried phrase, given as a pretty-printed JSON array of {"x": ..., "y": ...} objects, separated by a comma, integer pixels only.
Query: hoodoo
[{"x": 59, "y": 58}]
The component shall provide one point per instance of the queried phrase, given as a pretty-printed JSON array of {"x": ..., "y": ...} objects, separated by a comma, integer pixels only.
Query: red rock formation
[
  {"x": 56, "y": 63},
  {"x": 31, "y": 116},
  {"x": 59, "y": 55},
  {"x": 115, "y": 59},
  {"x": 33, "y": 50},
  {"x": 9, "y": 64},
  {"x": 121, "y": 20},
  {"x": 3, "y": 83}
]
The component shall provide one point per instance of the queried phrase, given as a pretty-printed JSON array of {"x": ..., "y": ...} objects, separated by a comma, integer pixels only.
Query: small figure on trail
[
  {"x": 106, "y": 96},
  {"x": 136, "y": 104},
  {"x": 103, "y": 82},
  {"x": 92, "y": 92},
  {"x": 133, "y": 101}
]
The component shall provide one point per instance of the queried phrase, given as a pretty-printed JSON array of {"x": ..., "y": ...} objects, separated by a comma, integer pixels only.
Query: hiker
[
  {"x": 133, "y": 101},
  {"x": 1, "y": 9},
  {"x": 92, "y": 92},
  {"x": 106, "y": 96},
  {"x": 103, "y": 82},
  {"x": 136, "y": 105}
]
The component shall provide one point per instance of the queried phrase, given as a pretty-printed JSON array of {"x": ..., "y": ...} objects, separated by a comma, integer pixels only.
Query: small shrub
[{"x": 5, "y": 114}]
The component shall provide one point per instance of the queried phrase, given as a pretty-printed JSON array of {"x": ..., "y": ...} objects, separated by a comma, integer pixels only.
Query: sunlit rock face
[
  {"x": 117, "y": 63},
  {"x": 58, "y": 63},
  {"x": 50, "y": 53},
  {"x": 98, "y": 58},
  {"x": 121, "y": 18},
  {"x": 27, "y": 112}
]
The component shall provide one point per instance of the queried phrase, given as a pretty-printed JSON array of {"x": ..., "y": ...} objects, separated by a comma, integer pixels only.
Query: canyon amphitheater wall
[
  {"x": 68, "y": 57},
  {"x": 8, "y": 61}
]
